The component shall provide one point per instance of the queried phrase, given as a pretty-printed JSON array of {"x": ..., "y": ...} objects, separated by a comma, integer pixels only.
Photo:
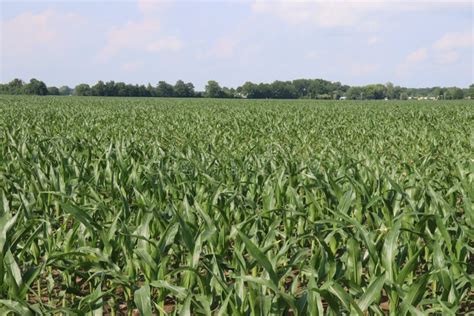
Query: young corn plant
[{"x": 116, "y": 206}]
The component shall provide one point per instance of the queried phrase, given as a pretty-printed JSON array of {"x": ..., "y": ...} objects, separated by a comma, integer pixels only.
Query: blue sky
[{"x": 410, "y": 43}]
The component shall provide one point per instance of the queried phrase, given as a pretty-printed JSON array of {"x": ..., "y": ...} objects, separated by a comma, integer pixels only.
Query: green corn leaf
[
  {"x": 260, "y": 257},
  {"x": 16, "y": 307},
  {"x": 371, "y": 293},
  {"x": 415, "y": 293},
  {"x": 142, "y": 299},
  {"x": 390, "y": 251}
]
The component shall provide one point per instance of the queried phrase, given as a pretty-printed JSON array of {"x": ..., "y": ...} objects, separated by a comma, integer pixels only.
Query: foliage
[
  {"x": 228, "y": 207},
  {"x": 296, "y": 89},
  {"x": 53, "y": 91},
  {"x": 470, "y": 91},
  {"x": 164, "y": 89},
  {"x": 65, "y": 90},
  {"x": 83, "y": 89},
  {"x": 17, "y": 86},
  {"x": 213, "y": 90},
  {"x": 183, "y": 90},
  {"x": 35, "y": 87},
  {"x": 455, "y": 93}
]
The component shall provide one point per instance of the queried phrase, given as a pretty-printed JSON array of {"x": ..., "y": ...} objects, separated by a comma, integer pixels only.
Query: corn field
[{"x": 235, "y": 207}]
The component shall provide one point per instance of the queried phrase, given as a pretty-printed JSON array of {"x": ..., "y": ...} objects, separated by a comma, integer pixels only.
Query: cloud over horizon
[{"x": 417, "y": 43}]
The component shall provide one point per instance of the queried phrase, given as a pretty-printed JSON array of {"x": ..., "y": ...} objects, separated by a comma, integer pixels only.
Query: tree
[
  {"x": 319, "y": 87},
  {"x": 230, "y": 93},
  {"x": 82, "y": 89},
  {"x": 455, "y": 93},
  {"x": 283, "y": 90},
  {"x": 164, "y": 89},
  {"x": 302, "y": 87},
  {"x": 65, "y": 90},
  {"x": 374, "y": 91},
  {"x": 397, "y": 90},
  {"x": 299, "y": 88},
  {"x": 110, "y": 89},
  {"x": 132, "y": 90},
  {"x": 249, "y": 90},
  {"x": 213, "y": 90},
  {"x": 121, "y": 89},
  {"x": 256, "y": 91},
  {"x": 36, "y": 87},
  {"x": 355, "y": 93},
  {"x": 390, "y": 90},
  {"x": 143, "y": 91},
  {"x": 183, "y": 90},
  {"x": 151, "y": 90},
  {"x": 436, "y": 92},
  {"x": 98, "y": 89},
  {"x": 190, "y": 87},
  {"x": 15, "y": 86},
  {"x": 470, "y": 91},
  {"x": 53, "y": 91}
]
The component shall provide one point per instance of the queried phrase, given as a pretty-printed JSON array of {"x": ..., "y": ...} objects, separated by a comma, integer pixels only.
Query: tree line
[{"x": 295, "y": 89}]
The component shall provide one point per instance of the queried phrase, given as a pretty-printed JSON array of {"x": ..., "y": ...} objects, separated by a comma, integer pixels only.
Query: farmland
[{"x": 235, "y": 207}]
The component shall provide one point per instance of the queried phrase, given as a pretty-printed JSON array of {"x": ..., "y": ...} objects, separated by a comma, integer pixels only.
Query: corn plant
[{"x": 121, "y": 206}]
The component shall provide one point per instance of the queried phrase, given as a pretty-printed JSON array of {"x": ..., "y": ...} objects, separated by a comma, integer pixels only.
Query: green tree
[
  {"x": 436, "y": 92},
  {"x": 250, "y": 90},
  {"x": 470, "y": 91},
  {"x": 151, "y": 90},
  {"x": 98, "y": 89},
  {"x": 390, "y": 90},
  {"x": 65, "y": 90},
  {"x": 164, "y": 89},
  {"x": 302, "y": 87},
  {"x": 16, "y": 86},
  {"x": 355, "y": 93},
  {"x": 82, "y": 89},
  {"x": 213, "y": 90},
  {"x": 283, "y": 90},
  {"x": 36, "y": 87},
  {"x": 110, "y": 89},
  {"x": 53, "y": 91},
  {"x": 455, "y": 93},
  {"x": 183, "y": 90},
  {"x": 374, "y": 92},
  {"x": 121, "y": 89}
]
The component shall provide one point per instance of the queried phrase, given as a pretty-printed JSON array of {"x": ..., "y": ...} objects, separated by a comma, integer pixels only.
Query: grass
[{"x": 218, "y": 207}]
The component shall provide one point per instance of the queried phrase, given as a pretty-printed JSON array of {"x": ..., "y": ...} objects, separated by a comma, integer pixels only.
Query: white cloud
[
  {"x": 312, "y": 55},
  {"x": 165, "y": 44},
  {"x": 321, "y": 13},
  {"x": 28, "y": 33},
  {"x": 131, "y": 66},
  {"x": 448, "y": 57},
  {"x": 445, "y": 51},
  {"x": 372, "y": 40},
  {"x": 363, "y": 69},
  {"x": 151, "y": 6},
  {"x": 343, "y": 13},
  {"x": 143, "y": 35},
  {"x": 455, "y": 40},
  {"x": 447, "y": 48},
  {"x": 411, "y": 60},
  {"x": 133, "y": 35},
  {"x": 224, "y": 48},
  {"x": 417, "y": 55}
]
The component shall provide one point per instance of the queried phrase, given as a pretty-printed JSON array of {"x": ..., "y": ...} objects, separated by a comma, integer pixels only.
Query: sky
[{"x": 414, "y": 43}]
